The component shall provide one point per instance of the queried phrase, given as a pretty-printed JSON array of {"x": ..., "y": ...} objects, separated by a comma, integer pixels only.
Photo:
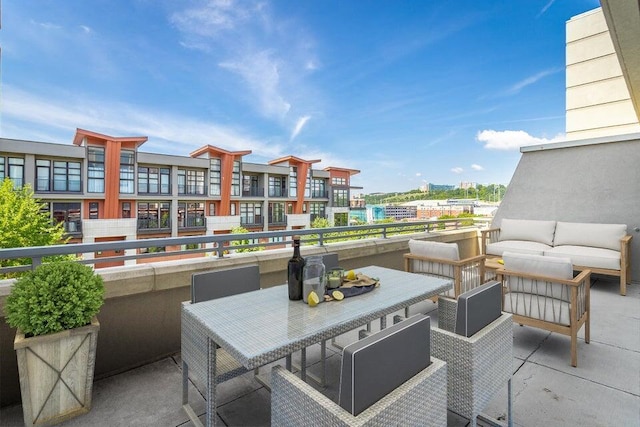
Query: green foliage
[
  {"x": 23, "y": 223},
  {"x": 242, "y": 230},
  {"x": 488, "y": 193},
  {"x": 54, "y": 297},
  {"x": 320, "y": 222}
]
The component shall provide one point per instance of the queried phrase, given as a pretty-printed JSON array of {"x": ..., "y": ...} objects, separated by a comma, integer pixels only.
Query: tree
[
  {"x": 242, "y": 230},
  {"x": 24, "y": 223}
]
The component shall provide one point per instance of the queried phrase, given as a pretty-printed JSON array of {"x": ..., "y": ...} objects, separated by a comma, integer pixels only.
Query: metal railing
[{"x": 221, "y": 244}]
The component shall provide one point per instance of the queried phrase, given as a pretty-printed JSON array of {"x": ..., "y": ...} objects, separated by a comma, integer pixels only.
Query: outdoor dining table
[{"x": 260, "y": 327}]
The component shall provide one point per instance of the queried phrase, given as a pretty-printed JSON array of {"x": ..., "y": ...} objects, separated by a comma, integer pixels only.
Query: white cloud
[
  {"x": 168, "y": 133},
  {"x": 261, "y": 72},
  {"x": 476, "y": 167},
  {"x": 545, "y": 8},
  {"x": 418, "y": 174},
  {"x": 528, "y": 81},
  {"x": 299, "y": 125},
  {"x": 86, "y": 29},
  {"x": 457, "y": 170},
  {"x": 511, "y": 139}
]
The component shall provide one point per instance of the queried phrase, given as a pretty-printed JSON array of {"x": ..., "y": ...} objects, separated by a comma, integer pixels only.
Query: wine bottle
[{"x": 294, "y": 271}]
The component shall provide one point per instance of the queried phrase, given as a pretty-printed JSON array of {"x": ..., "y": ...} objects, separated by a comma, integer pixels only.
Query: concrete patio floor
[{"x": 604, "y": 390}]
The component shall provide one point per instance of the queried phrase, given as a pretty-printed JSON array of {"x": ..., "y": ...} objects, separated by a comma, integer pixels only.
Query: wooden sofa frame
[
  {"x": 491, "y": 235},
  {"x": 474, "y": 265}
]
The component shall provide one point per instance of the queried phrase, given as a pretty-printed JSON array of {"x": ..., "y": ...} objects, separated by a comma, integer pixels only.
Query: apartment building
[{"x": 102, "y": 188}]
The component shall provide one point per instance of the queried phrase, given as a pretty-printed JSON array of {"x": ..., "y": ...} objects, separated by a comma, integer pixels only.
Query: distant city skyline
[{"x": 408, "y": 93}]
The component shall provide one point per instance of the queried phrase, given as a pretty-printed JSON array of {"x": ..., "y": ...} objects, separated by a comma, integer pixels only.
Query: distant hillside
[{"x": 488, "y": 193}]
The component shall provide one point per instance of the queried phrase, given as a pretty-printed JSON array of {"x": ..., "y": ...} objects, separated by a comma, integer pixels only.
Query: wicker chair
[
  {"x": 420, "y": 401},
  {"x": 541, "y": 292},
  {"x": 478, "y": 366},
  {"x": 204, "y": 287},
  {"x": 442, "y": 260}
]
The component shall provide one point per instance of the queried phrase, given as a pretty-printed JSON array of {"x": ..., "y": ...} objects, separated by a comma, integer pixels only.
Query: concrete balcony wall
[
  {"x": 140, "y": 320},
  {"x": 594, "y": 180}
]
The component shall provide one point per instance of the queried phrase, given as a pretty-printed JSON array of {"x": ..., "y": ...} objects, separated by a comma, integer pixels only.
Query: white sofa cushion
[
  {"x": 594, "y": 235},
  {"x": 434, "y": 249},
  {"x": 587, "y": 257},
  {"x": 538, "y": 265},
  {"x": 525, "y": 229},
  {"x": 559, "y": 268},
  {"x": 518, "y": 246}
]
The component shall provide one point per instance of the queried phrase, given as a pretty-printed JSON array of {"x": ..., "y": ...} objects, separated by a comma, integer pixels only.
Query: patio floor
[{"x": 604, "y": 390}]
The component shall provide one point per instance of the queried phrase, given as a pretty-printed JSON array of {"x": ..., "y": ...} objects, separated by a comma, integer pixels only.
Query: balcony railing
[
  {"x": 278, "y": 220},
  {"x": 153, "y": 225},
  {"x": 73, "y": 227},
  {"x": 256, "y": 221},
  {"x": 224, "y": 242},
  {"x": 319, "y": 194},
  {"x": 193, "y": 190},
  {"x": 278, "y": 192},
  {"x": 193, "y": 222},
  {"x": 58, "y": 186},
  {"x": 253, "y": 192}
]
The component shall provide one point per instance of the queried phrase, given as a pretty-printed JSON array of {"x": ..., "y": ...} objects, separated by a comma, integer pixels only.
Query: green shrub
[{"x": 54, "y": 297}]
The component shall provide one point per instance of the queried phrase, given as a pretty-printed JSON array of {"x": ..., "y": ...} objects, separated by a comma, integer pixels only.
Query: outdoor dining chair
[{"x": 207, "y": 286}]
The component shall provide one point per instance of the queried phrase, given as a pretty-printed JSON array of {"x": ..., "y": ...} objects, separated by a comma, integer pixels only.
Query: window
[
  {"x": 15, "y": 170},
  {"x": 43, "y": 172},
  {"x": 214, "y": 177},
  {"x": 318, "y": 188},
  {"x": 251, "y": 213},
  {"x": 293, "y": 181},
  {"x": 317, "y": 210},
  {"x": 212, "y": 209},
  {"x": 95, "y": 170},
  {"x": 66, "y": 176},
  {"x": 338, "y": 181},
  {"x": 251, "y": 186},
  {"x": 276, "y": 213},
  {"x": 68, "y": 214},
  {"x": 154, "y": 180},
  {"x": 233, "y": 209},
  {"x": 307, "y": 185},
  {"x": 93, "y": 210},
  {"x": 235, "y": 179},
  {"x": 340, "y": 197},
  {"x": 191, "y": 182},
  {"x": 153, "y": 215},
  {"x": 127, "y": 172},
  {"x": 126, "y": 209},
  {"x": 277, "y": 186},
  {"x": 190, "y": 214}
]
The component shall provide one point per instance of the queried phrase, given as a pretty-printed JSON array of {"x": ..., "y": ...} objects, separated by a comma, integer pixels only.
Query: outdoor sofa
[{"x": 601, "y": 248}]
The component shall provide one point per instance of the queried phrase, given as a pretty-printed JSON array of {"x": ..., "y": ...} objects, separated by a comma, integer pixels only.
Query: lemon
[
  {"x": 337, "y": 295},
  {"x": 351, "y": 275},
  {"x": 313, "y": 299}
]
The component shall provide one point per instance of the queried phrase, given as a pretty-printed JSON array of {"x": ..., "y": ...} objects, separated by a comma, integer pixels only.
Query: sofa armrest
[
  {"x": 546, "y": 291},
  {"x": 490, "y": 235},
  {"x": 467, "y": 273}
]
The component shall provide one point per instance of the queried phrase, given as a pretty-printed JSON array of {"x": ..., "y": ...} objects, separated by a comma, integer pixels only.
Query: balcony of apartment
[
  {"x": 277, "y": 220},
  {"x": 255, "y": 221},
  {"x": 138, "y": 364},
  {"x": 320, "y": 194},
  {"x": 193, "y": 222},
  {"x": 154, "y": 225},
  {"x": 58, "y": 186},
  {"x": 73, "y": 227},
  {"x": 192, "y": 190},
  {"x": 253, "y": 192}
]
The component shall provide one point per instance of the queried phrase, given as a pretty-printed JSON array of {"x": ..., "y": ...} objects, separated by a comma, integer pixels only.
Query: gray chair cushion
[
  {"x": 478, "y": 307},
  {"x": 223, "y": 283},
  {"x": 375, "y": 366}
]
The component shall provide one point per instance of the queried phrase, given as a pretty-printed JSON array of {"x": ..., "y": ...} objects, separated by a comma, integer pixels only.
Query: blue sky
[{"x": 408, "y": 92}]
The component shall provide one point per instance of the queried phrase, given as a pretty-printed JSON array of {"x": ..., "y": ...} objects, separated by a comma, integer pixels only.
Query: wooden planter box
[{"x": 56, "y": 374}]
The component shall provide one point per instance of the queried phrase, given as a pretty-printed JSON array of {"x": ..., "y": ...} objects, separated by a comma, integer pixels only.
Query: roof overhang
[{"x": 623, "y": 20}]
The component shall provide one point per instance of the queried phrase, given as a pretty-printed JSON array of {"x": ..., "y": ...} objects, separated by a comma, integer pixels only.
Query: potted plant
[{"x": 54, "y": 309}]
